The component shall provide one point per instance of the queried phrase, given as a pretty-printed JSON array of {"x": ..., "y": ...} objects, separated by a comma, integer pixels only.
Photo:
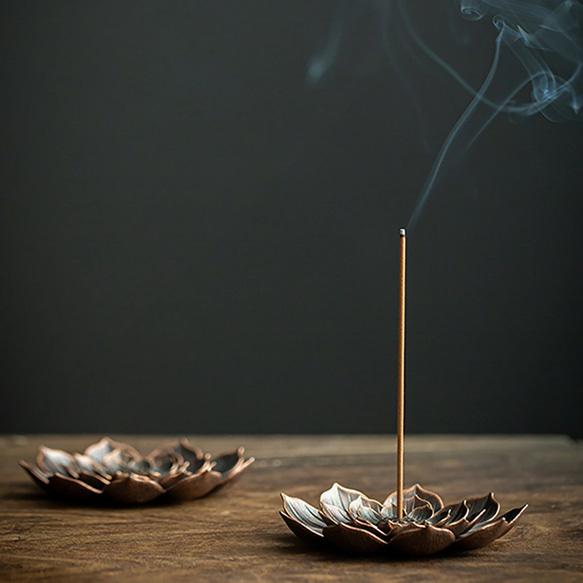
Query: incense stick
[{"x": 401, "y": 373}]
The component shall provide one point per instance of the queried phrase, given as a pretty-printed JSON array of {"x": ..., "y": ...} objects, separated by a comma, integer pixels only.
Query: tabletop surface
[{"x": 238, "y": 535}]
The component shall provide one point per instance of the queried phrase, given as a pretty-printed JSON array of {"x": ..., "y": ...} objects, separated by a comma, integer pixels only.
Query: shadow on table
[
  {"x": 51, "y": 499},
  {"x": 291, "y": 546}
]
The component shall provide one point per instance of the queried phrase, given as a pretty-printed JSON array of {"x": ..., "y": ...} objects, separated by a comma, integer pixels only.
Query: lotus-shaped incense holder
[
  {"x": 353, "y": 522},
  {"x": 118, "y": 472}
]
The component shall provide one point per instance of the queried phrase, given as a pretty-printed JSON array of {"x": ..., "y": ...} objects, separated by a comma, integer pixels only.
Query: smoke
[{"x": 536, "y": 66}]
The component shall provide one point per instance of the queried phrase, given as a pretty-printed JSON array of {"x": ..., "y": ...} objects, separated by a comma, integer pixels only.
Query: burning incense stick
[{"x": 401, "y": 373}]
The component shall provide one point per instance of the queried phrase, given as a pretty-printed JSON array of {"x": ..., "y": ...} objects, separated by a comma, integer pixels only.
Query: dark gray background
[{"x": 195, "y": 239}]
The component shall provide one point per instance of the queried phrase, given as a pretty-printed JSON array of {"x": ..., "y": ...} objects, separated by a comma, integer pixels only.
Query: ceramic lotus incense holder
[
  {"x": 111, "y": 470},
  {"x": 353, "y": 522},
  {"x": 413, "y": 522}
]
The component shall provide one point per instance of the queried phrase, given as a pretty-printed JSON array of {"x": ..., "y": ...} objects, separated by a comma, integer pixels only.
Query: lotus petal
[
  {"x": 481, "y": 535},
  {"x": 182, "y": 448},
  {"x": 165, "y": 462},
  {"x": 337, "y": 499},
  {"x": 37, "y": 475},
  {"x": 440, "y": 520},
  {"x": 52, "y": 461},
  {"x": 334, "y": 515},
  {"x": 194, "y": 486},
  {"x": 193, "y": 456},
  {"x": 138, "y": 466},
  {"x": 194, "y": 465},
  {"x": 340, "y": 496},
  {"x": 120, "y": 461},
  {"x": 371, "y": 515},
  {"x": 300, "y": 529},
  {"x": 227, "y": 463},
  {"x": 354, "y": 539},
  {"x": 171, "y": 480},
  {"x": 461, "y": 526},
  {"x": 365, "y": 509},
  {"x": 99, "y": 450},
  {"x": 419, "y": 493},
  {"x": 422, "y": 512},
  {"x": 94, "y": 480},
  {"x": 133, "y": 489},
  {"x": 390, "y": 527},
  {"x": 229, "y": 478},
  {"x": 68, "y": 486},
  {"x": 389, "y": 512},
  {"x": 411, "y": 503},
  {"x": 303, "y": 514},
  {"x": 420, "y": 540},
  {"x": 197, "y": 466},
  {"x": 478, "y": 503},
  {"x": 403, "y": 527},
  {"x": 392, "y": 497},
  {"x": 85, "y": 463},
  {"x": 373, "y": 529},
  {"x": 434, "y": 500},
  {"x": 450, "y": 513}
]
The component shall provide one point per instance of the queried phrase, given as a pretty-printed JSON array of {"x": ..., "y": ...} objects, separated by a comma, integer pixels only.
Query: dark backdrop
[{"x": 196, "y": 239}]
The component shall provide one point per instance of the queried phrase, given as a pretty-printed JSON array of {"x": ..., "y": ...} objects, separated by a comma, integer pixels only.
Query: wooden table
[{"x": 237, "y": 534}]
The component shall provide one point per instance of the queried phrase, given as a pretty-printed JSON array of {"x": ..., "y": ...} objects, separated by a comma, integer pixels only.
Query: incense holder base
[
  {"x": 116, "y": 472},
  {"x": 351, "y": 521}
]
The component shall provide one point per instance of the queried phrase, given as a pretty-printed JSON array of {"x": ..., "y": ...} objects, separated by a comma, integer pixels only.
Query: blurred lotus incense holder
[
  {"x": 115, "y": 471},
  {"x": 413, "y": 522}
]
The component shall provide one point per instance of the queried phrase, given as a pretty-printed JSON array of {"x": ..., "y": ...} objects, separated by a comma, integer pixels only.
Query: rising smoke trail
[{"x": 538, "y": 46}]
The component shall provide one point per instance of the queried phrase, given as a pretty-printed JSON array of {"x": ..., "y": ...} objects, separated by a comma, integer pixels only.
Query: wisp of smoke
[{"x": 538, "y": 51}]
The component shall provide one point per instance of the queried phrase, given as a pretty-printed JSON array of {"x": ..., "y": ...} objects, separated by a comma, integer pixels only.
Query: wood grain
[{"x": 237, "y": 534}]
